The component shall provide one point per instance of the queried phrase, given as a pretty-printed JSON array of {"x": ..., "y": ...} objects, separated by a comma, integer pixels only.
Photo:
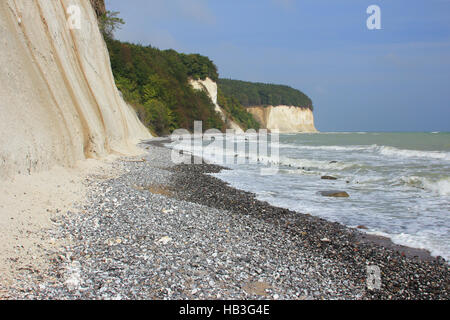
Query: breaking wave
[
  {"x": 441, "y": 187},
  {"x": 406, "y": 153},
  {"x": 381, "y": 150}
]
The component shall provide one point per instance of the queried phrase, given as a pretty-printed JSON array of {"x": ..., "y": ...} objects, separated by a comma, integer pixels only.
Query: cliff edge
[
  {"x": 59, "y": 102},
  {"x": 285, "y": 119},
  {"x": 274, "y": 106}
]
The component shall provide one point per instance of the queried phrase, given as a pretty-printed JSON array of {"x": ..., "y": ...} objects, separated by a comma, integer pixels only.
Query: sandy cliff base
[{"x": 28, "y": 204}]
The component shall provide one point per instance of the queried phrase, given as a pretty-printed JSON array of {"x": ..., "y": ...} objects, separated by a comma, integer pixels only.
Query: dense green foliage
[
  {"x": 109, "y": 23},
  {"x": 199, "y": 67},
  {"x": 156, "y": 82},
  {"x": 237, "y": 112},
  {"x": 262, "y": 94}
]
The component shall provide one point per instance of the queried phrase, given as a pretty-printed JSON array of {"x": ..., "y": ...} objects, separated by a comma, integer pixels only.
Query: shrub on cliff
[{"x": 108, "y": 23}]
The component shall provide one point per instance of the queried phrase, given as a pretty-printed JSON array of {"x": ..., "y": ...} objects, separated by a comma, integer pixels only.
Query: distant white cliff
[
  {"x": 211, "y": 88},
  {"x": 286, "y": 119},
  {"x": 58, "y": 99}
]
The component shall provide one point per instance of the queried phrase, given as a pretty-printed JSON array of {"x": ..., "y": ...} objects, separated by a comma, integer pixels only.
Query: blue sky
[{"x": 393, "y": 79}]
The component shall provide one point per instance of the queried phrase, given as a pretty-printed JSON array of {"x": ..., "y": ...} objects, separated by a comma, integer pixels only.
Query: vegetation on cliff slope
[
  {"x": 262, "y": 94},
  {"x": 237, "y": 112},
  {"x": 109, "y": 22},
  {"x": 156, "y": 82}
]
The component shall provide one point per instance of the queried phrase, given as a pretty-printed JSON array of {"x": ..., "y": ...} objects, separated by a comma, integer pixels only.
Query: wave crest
[
  {"x": 381, "y": 150},
  {"x": 441, "y": 187},
  {"x": 407, "y": 153}
]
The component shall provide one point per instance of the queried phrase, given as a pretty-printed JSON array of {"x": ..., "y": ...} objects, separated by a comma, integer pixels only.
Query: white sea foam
[
  {"x": 217, "y": 153},
  {"x": 381, "y": 150},
  {"x": 406, "y": 153},
  {"x": 325, "y": 148},
  {"x": 441, "y": 187},
  {"x": 315, "y": 164},
  {"x": 421, "y": 240}
]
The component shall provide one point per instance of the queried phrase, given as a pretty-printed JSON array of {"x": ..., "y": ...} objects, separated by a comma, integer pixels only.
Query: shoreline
[
  {"x": 411, "y": 252},
  {"x": 195, "y": 184},
  {"x": 163, "y": 231}
]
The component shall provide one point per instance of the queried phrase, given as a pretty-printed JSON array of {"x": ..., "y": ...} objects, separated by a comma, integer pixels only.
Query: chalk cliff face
[
  {"x": 58, "y": 99},
  {"x": 211, "y": 88},
  {"x": 286, "y": 119}
]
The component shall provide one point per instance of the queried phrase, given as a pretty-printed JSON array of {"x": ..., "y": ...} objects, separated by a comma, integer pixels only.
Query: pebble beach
[{"x": 164, "y": 231}]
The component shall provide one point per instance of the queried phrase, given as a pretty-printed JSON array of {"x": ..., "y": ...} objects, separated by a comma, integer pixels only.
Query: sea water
[{"x": 399, "y": 183}]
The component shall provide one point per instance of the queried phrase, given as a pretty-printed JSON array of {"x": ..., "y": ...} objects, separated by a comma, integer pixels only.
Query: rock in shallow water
[
  {"x": 335, "y": 194},
  {"x": 328, "y": 178}
]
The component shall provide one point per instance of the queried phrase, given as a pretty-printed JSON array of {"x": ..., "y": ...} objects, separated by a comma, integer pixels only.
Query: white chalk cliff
[
  {"x": 58, "y": 99},
  {"x": 211, "y": 88},
  {"x": 286, "y": 119}
]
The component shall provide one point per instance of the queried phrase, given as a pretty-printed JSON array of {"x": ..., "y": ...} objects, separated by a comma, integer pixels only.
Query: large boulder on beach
[{"x": 334, "y": 194}]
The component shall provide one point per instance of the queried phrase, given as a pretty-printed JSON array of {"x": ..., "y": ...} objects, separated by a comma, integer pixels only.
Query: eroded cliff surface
[
  {"x": 58, "y": 99},
  {"x": 286, "y": 119},
  {"x": 211, "y": 88}
]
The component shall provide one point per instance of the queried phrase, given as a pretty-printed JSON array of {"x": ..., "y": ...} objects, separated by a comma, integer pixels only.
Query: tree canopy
[
  {"x": 263, "y": 94},
  {"x": 156, "y": 82}
]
